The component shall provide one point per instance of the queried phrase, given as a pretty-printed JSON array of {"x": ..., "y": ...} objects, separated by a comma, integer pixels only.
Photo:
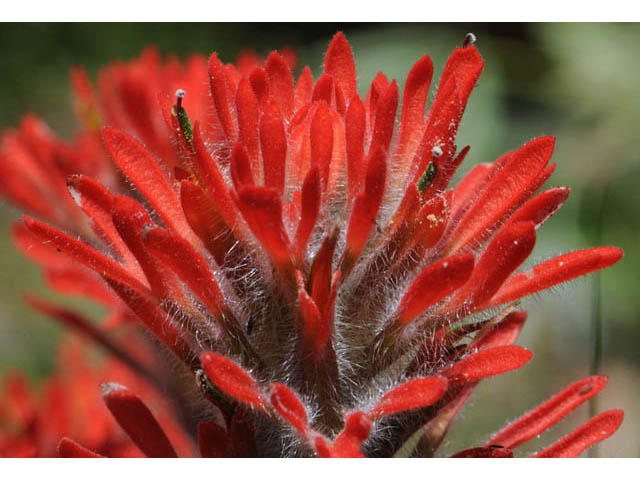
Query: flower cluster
[{"x": 300, "y": 256}]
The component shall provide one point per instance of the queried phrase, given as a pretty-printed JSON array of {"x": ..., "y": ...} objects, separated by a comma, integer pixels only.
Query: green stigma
[
  {"x": 427, "y": 177},
  {"x": 183, "y": 118},
  {"x": 208, "y": 389},
  {"x": 185, "y": 125}
]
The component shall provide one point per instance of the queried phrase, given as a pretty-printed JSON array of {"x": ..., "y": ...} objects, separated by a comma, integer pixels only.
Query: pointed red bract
[
  {"x": 145, "y": 173},
  {"x": 487, "y": 363},
  {"x": 412, "y": 120},
  {"x": 96, "y": 201},
  {"x": 280, "y": 83},
  {"x": 262, "y": 209},
  {"x": 241, "y": 173},
  {"x": 328, "y": 313},
  {"x": 214, "y": 182},
  {"x": 506, "y": 251},
  {"x": 548, "y": 414},
  {"x": 595, "y": 430},
  {"x": 274, "y": 148},
  {"x": 322, "y": 142},
  {"x": 464, "y": 65},
  {"x": 207, "y": 221},
  {"x": 193, "y": 270},
  {"x": 316, "y": 332},
  {"x": 323, "y": 90},
  {"x": 458, "y": 79},
  {"x": 321, "y": 271},
  {"x": 83, "y": 253},
  {"x": 248, "y": 121},
  {"x": 378, "y": 87},
  {"x": 338, "y": 63},
  {"x": 366, "y": 206},
  {"x": 310, "y": 208},
  {"x": 232, "y": 380},
  {"x": 385, "y": 119},
  {"x": 416, "y": 90},
  {"x": 137, "y": 421},
  {"x": 541, "y": 207},
  {"x": 510, "y": 186},
  {"x": 258, "y": 79},
  {"x": 130, "y": 218},
  {"x": 354, "y": 145},
  {"x": 221, "y": 96},
  {"x": 434, "y": 283},
  {"x": 287, "y": 404},
  {"x": 304, "y": 89},
  {"x": 557, "y": 270},
  {"x": 416, "y": 393}
]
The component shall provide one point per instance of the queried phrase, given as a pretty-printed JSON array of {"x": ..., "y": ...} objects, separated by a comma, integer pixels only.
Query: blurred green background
[{"x": 579, "y": 82}]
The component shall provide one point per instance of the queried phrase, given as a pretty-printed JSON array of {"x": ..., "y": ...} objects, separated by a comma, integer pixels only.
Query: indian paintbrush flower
[{"x": 302, "y": 256}]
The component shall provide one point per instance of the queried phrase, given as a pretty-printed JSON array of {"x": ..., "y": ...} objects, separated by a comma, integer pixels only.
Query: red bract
[
  {"x": 311, "y": 267},
  {"x": 416, "y": 393},
  {"x": 595, "y": 430},
  {"x": 137, "y": 421},
  {"x": 547, "y": 414},
  {"x": 232, "y": 380}
]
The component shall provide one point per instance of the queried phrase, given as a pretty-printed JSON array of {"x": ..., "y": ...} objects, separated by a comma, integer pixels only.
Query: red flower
[
  {"x": 70, "y": 406},
  {"x": 310, "y": 264}
]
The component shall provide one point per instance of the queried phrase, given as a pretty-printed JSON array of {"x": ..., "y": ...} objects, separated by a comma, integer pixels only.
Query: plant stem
[{"x": 596, "y": 361}]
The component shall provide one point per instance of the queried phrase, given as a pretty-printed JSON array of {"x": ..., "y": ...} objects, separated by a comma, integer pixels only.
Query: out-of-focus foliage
[{"x": 579, "y": 82}]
